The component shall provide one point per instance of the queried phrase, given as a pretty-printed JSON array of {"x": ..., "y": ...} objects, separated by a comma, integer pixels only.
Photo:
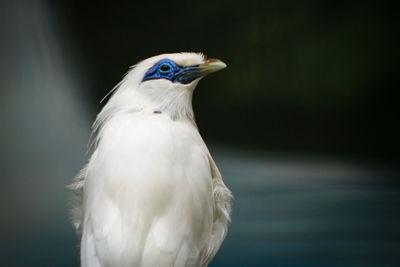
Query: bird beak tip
[{"x": 213, "y": 65}]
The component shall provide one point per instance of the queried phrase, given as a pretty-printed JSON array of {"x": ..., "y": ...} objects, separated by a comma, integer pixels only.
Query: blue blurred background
[{"x": 304, "y": 122}]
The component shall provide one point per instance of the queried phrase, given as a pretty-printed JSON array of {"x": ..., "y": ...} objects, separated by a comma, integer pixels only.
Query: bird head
[{"x": 165, "y": 83}]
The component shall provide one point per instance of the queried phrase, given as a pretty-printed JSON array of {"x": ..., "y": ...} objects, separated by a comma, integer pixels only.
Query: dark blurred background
[{"x": 304, "y": 122}]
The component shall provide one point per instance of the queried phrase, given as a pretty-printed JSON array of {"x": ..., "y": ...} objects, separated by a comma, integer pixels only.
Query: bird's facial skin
[{"x": 168, "y": 69}]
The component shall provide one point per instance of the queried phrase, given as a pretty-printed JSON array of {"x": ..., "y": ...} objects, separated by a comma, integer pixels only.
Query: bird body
[{"x": 151, "y": 195}]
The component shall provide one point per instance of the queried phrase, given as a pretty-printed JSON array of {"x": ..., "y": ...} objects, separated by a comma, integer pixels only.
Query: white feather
[{"x": 151, "y": 195}]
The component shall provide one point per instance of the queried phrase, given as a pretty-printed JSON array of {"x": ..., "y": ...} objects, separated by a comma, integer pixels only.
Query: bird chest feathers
[
  {"x": 151, "y": 158},
  {"x": 150, "y": 173}
]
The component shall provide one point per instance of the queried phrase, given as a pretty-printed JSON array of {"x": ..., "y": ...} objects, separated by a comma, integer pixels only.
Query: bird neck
[{"x": 177, "y": 105}]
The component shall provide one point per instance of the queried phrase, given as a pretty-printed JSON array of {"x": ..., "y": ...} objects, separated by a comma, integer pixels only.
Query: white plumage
[{"x": 151, "y": 195}]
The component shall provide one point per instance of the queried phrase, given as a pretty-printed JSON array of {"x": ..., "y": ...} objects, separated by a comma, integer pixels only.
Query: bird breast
[{"x": 149, "y": 187}]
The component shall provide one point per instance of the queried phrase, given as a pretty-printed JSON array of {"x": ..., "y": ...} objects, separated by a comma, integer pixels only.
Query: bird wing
[
  {"x": 88, "y": 249},
  {"x": 221, "y": 217},
  {"x": 88, "y": 254}
]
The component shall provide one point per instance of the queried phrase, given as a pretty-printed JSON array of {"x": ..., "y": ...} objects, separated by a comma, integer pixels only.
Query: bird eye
[{"x": 165, "y": 67}]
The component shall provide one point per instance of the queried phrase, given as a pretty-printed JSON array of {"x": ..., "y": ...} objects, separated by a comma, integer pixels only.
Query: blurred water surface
[{"x": 297, "y": 210}]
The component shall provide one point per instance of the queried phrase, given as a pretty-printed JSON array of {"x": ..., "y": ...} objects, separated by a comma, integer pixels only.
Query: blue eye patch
[{"x": 168, "y": 69}]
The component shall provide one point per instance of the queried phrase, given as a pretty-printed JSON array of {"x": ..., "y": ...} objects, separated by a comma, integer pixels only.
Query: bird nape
[{"x": 151, "y": 194}]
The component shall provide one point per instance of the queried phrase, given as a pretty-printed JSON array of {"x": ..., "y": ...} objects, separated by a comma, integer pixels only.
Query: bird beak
[
  {"x": 191, "y": 73},
  {"x": 210, "y": 66}
]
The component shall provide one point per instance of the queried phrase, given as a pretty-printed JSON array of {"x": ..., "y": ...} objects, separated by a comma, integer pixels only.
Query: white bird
[{"x": 151, "y": 194}]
